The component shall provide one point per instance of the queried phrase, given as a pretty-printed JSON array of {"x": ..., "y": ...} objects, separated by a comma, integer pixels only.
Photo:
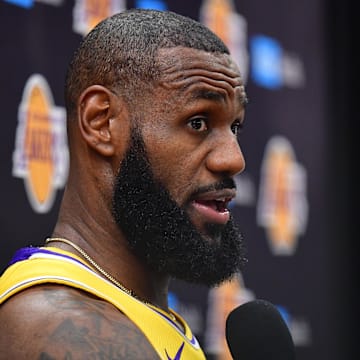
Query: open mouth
[
  {"x": 212, "y": 207},
  {"x": 217, "y": 205}
]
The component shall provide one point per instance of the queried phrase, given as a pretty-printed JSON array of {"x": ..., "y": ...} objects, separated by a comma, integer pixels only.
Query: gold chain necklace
[{"x": 106, "y": 274}]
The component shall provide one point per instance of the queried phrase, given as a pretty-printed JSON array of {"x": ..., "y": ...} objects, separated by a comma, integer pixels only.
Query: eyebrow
[
  {"x": 208, "y": 95},
  {"x": 216, "y": 96}
]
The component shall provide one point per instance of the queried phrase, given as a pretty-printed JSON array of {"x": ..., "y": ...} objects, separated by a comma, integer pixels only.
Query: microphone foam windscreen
[{"x": 257, "y": 331}]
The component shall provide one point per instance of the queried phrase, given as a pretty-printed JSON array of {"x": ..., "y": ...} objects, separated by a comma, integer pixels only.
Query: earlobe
[{"x": 97, "y": 106}]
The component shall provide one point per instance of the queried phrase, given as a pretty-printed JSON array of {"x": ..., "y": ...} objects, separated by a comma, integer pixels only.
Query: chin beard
[{"x": 162, "y": 234}]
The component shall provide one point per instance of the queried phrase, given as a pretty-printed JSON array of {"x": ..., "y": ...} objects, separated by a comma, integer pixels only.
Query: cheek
[
  {"x": 176, "y": 174},
  {"x": 175, "y": 161}
]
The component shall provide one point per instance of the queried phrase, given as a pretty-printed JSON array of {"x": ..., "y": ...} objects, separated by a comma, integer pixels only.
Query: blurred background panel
[{"x": 296, "y": 198}]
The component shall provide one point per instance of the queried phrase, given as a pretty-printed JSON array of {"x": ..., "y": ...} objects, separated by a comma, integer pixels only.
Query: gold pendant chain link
[
  {"x": 92, "y": 262},
  {"x": 106, "y": 274}
]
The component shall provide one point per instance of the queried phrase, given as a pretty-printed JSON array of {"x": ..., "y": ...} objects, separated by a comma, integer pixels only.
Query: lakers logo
[
  {"x": 41, "y": 154},
  {"x": 88, "y": 13},
  {"x": 221, "y": 17},
  {"x": 282, "y": 206},
  {"x": 215, "y": 15},
  {"x": 222, "y": 300}
]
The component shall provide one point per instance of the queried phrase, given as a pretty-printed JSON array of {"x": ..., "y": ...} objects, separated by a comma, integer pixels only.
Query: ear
[{"x": 97, "y": 108}]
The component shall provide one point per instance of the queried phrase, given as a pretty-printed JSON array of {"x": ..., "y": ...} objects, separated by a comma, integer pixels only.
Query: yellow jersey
[{"x": 33, "y": 266}]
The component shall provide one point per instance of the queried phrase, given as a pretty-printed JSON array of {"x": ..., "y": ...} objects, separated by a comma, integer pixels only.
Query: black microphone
[{"x": 257, "y": 331}]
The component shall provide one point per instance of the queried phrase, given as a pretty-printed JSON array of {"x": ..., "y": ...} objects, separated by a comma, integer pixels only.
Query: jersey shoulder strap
[{"x": 35, "y": 266}]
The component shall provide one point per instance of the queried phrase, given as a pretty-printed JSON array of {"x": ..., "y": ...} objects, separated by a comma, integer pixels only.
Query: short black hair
[{"x": 120, "y": 52}]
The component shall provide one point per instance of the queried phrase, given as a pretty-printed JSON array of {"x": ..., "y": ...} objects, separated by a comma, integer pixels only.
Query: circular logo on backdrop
[
  {"x": 41, "y": 153},
  {"x": 221, "y": 301},
  {"x": 88, "y": 13},
  {"x": 221, "y": 17},
  {"x": 282, "y": 205}
]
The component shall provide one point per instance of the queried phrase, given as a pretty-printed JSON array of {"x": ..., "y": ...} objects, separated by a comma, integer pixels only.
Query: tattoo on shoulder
[
  {"x": 46, "y": 356},
  {"x": 90, "y": 331}
]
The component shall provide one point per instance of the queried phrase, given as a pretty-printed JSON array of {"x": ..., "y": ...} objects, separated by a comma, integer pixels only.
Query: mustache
[{"x": 227, "y": 183}]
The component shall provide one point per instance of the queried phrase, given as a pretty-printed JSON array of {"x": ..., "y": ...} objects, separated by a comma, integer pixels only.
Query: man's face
[{"x": 175, "y": 181}]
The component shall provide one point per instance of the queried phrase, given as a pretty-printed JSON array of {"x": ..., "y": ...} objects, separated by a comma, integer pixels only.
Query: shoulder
[{"x": 57, "y": 322}]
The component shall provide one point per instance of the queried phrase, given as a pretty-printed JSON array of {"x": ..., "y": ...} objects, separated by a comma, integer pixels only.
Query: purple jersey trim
[
  {"x": 178, "y": 354},
  {"x": 167, "y": 318},
  {"x": 192, "y": 340},
  {"x": 25, "y": 253}
]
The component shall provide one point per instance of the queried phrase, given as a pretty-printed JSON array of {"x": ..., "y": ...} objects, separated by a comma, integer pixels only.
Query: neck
[
  {"x": 89, "y": 224},
  {"x": 117, "y": 260}
]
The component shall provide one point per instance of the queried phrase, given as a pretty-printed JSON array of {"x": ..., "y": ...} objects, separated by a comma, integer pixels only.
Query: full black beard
[{"x": 162, "y": 234}]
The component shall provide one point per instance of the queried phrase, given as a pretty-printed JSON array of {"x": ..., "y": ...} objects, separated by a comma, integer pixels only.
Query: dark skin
[
  {"x": 64, "y": 323},
  {"x": 194, "y": 116}
]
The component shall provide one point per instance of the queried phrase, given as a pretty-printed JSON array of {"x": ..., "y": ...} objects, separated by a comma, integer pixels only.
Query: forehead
[{"x": 194, "y": 72}]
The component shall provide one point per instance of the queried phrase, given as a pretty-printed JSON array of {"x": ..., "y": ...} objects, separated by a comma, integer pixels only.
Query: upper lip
[{"x": 224, "y": 195}]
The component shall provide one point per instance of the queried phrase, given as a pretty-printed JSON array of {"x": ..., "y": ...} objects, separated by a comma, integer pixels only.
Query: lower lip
[{"x": 211, "y": 215}]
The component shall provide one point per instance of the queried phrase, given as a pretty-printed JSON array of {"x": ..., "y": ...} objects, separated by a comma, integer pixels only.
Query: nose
[{"x": 226, "y": 156}]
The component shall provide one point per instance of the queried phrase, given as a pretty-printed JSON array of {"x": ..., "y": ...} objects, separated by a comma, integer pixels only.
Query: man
[{"x": 154, "y": 104}]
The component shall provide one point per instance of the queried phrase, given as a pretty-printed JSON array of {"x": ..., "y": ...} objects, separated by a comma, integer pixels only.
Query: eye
[
  {"x": 236, "y": 127},
  {"x": 198, "y": 124}
]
